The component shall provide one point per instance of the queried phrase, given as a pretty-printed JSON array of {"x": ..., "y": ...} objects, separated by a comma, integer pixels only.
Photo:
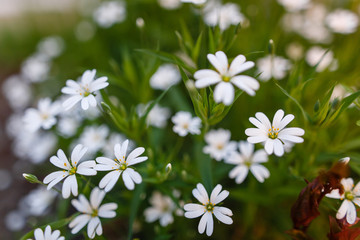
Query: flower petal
[
  {"x": 269, "y": 146},
  {"x": 260, "y": 172},
  {"x": 96, "y": 197},
  {"x": 222, "y": 217},
  {"x": 224, "y": 92},
  {"x": 343, "y": 209},
  {"x": 278, "y": 148},
  {"x": 79, "y": 222}
]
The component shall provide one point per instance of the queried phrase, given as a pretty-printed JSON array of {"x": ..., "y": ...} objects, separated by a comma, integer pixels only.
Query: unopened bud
[
  {"x": 31, "y": 178},
  {"x": 140, "y": 23},
  {"x": 271, "y": 47},
  {"x": 345, "y": 160},
  {"x": 168, "y": 168}
]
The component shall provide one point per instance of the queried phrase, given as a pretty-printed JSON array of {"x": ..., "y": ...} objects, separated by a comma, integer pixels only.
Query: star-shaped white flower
[
  {"x": 225, "y": 77},
  {"x": 208, "y": 208},
  {"x": 185, "y": 123},
  {"x": 70, "y": 170},
  {"x": 351, "y": 195},
  {"x": 39, "y": 234},
  {"x": 248, "y": 160},
  {"x": 272, "y": 67},
  {"x": 162, "y": 209},
  {"x": 92, "y": 212},
  {"x": 273, "y": 135},
  {"x": 42, "y": 117},
  {"x": 84, "y": 90},
  {"x": 219, "y": 145},
  {"x": 120, "y": 165}
]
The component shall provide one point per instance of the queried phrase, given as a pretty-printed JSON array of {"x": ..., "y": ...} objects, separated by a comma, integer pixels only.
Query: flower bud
[{"x": 31, "y": 178}]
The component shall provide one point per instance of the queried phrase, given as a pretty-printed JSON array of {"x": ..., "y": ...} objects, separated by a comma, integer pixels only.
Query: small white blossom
[
  {"x": 110, "y": 13},
  {"x": 15, "y": 220},
  {"x": 157, "y": 116},
  {"x": 162, "y": 209},
  {"x": 272, "y": 67},
  {"x": 42, "y": 117},
  {"x": 84, "y": 90},
  {"x": 295, "y": 51},
  {"x": 208, "y": 208},
  {"x": 224, "y": 16},
  {"x": 70, "y": 170},
  {"x": 39, "y": 234},
  {"x": 120, "y": 166},
  {"x": 17, "y": 91},
  {"x": 273, "y": 134},
  {"x": 295, "y": 5},
  {"x": 226, "y": 76},
  {"x": 36, "y": 68},
  {"x": 94, "y": 138},
  {"x": 196, "y": 2},
  {"x": 219, "y": 145},
  {"x": 91, "y": 213},
  {"x": 342, "y": 21},
  {"x": 247, "y": 160},
  {"x": 322, "y": 57},
  {"x": 37, "y": 202},
  {"x": 68, "y": 126},
  {"x": 169, "y": 4},
  {"x": 184, "y": 123},
  {"x": 165, "y": 76},
  {"x": 351, "y": 195},
  {"x": 51, "y": 46}
]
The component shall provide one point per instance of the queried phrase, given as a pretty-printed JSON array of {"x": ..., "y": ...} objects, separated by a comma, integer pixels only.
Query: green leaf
[
  {"x": 305, "y": 115},
  {"x": 197, "y": 48},
  {"x": 345, "y": 103},
  {"x": 54, "y": 226},
  {"x": 135, "y": 203},
  {"x": 324, "y": 107}
]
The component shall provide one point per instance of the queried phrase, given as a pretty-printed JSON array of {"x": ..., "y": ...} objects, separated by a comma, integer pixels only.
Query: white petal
[
  {"x": 203, "y": 221},
  {"x": 255, "y": 132},
  {"x": 277, "y": 118},
  {"x": 209, "y": 225},
  {"x": 351, "y": 213},
  {"x": 216, "y": 62},
  {"x": 343, "y": 209},
  {"x": 224, "y": 92},
  {"x": 269, "y": 146},
  {"x": 108, "y": 210},
  {"x": 87, "y": 168},
  {"x": 219, "y": 198},
  {"x": 71, "y": 101},
  {"x": 38, "y": 234},
  {"x": 85, "y": 104},
  {"x": 82, "y": 204},
  {"x": 257, "y": 139},
  {"x": 93, "y": 224},
  {"x": 91, "y": 99},
  {"x": 246, "y": 83},
  {"x": 260, "y": 156},
  {"x": 334, "y": 194},
  {"x": 79, "y": 222},
  {"x": 221, "y": 217},
  {"x": 59, "y": 163},
  {"x": 241, "y": 68},
  {"x": 129, "y": 183},
  {"x": 258, "y": 124},
  {"x": 278, "y": 148},
  {"x": 260, "y": 172},
  {"x": 292, "y": 131},
  {"x": 67, "y": 186},
  {"x": 193, "y": 207},
  {"x": 135, "y": 153},
  {"x": 200, "y": 194},
  {"x": 239, "y": 173},
  {"x": 215, "y": 192},
  {"x": 135, "y": 176},
  {"x": 263, "y": 119},
  {"x": 96, "y": 197},
  {"x": 52, "y": 176},
  {"x": 194, "y": 214},
  {"x": 237, "y": 65},
  {"x": 290, "y": 138},
  {"x": 356, "y": 189},
  {"x": 205, "y": 82},
  {"x": 78, "y": 152},
  {"x": 348, "y": 184},
  {"x": 109, "y": 180},
  {"x": 285, "y": 121}
]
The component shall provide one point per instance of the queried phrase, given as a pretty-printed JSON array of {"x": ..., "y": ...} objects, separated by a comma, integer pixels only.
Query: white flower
[
  {"x": 342, "y": 21},
  {"x": 295, "y": 51},
  {"x": 157, "y": 116},
  {"x": 42, "y": 117},
  {"x": 39, "y": 234},
  {"x": 295, "y": 5},
  {"x": 84, "y": 90},
  {"x": 273, "y": 134},
  {"x": 37, "y": 202},
  {"x": 164, "y": 77},
  {"x": 322, "y": 57},
  {"x": 36, "y": 68},
  {"x": 94, "y": 137},
  {"x": 226, "y": 76},
  {"x": 184, "y": 123},
  {"x": 51, "y": 46},
  {"x": 169, "y": 4},
  {"x": 224, "y": 16},
  {"x": 120, "y": 165},
  {"x": 351, "y": 195},
  {"x": 70, "y": 170},
  {"x": 162, "y": 209},
  {"x": 17, "y": 92},
  {"x": 208, "y": 208},
  {"x": 196, "y": 2},
  {"x": 272, "y": 66},
  {"x": 68, "y": 126},
  {"x": 219, "y": 144},
  {"x": 248, "y": 160},
  {"x": 92, "y": 212},
  {"x": 110, "y": 13}
]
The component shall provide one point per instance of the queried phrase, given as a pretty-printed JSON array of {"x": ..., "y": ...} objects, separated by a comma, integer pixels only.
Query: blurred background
[{"x": 45, "y": 42}]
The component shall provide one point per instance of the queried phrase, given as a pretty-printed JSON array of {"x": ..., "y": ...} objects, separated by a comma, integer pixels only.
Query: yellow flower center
[
  {"x": 349, "y": 195},
  {"x": 123, "y": 166},
  {"x": 226, "y": 78},
  {"x": 72, "y": 171},
  {"x": 273, "y": 132},
  {"x": 94, "y": 213},
  {"x": 209, "y": 207}
]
